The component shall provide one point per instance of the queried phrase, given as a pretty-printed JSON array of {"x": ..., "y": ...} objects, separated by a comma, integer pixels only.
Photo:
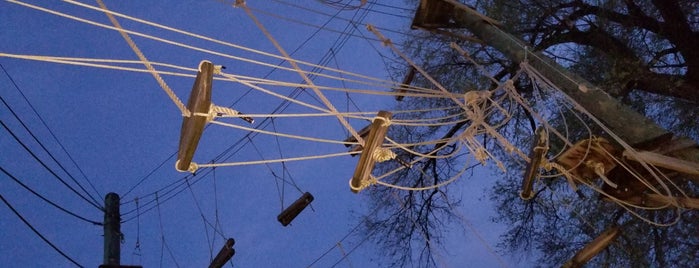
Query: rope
[
  {"x": 143, "y": 59},
  {"x": 303, "y": 75}
]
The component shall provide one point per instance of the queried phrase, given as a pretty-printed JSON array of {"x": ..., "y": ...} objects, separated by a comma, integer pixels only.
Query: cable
[
  {"x": 46, "y": 199},
  {"x": 96, "y": 205},
  {"x": 41, "y": 119},
  {"x": 38, "y": 233}
]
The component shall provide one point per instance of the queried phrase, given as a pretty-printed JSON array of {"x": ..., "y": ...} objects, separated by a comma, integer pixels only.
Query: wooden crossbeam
[
  {"x": 536, "y": 154},
  {"x": 594, "y": 247},
  {"x": 198, "y": 104},
  {"x": 290, "y": 213},
  {"x": 377, "y": 133}
]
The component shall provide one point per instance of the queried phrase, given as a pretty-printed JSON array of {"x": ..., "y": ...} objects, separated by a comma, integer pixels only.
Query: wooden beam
[
  {"x": 361, "y": 133},
  {"x": 659, "y": 160},
  {"x": 290, "y": 213},
  {"x": 377, "y": 133},
  {"x": 658, "y": 200},
  {"x": 594, "y": 247},
  {"x": 198, "y": 104},
  {"x": 536, "y": 154},
  {"x": 406, "y": 82},
  {"x": 224, "y": 255}
]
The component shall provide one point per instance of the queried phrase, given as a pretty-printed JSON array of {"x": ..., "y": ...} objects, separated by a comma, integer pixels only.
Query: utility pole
[
  {"x": 112, "y": 230},
  {"x": 631, "y": 126},
  {"x": 112, "y": 233}
]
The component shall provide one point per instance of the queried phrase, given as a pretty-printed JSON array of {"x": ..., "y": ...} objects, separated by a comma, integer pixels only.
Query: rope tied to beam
[{"x": 383, "y": 154}]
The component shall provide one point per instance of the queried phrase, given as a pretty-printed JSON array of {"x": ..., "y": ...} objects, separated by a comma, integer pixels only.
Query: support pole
[
  {"x": 433, "y": 14},
  {"x": 112, "y": 231}
]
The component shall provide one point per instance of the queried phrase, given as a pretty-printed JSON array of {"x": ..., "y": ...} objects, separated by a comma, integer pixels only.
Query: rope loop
[
  {"x": 364, "y": 183},
  {"x": 385, "y": 123}
]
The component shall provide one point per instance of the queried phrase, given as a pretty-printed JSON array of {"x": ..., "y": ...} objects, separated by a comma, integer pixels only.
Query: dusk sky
[{"x": 88, "y": 102}]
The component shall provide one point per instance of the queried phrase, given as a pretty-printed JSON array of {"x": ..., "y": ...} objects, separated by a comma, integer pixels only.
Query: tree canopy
[{"x": 643, "y": 53}]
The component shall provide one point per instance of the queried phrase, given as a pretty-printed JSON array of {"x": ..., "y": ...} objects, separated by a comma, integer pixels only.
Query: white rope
[{"x": 132, "y": 44}]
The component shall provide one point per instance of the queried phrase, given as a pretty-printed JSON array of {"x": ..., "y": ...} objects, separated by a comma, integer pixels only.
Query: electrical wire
[
  {"x": 41, "y": 119},
  {"x": 26, "y": 148},
  {"x": 18, "y": 181},
  {"x": 38, "y": 233}
]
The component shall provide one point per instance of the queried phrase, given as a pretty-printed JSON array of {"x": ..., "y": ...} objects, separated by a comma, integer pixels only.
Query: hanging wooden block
[
  {"x": 536, "y": 154},
  {"x": 406, "y": 82},
  {"x": 292, "y": 211},
  {"x": 198, "y": 105},
  {"x": 374, "y": 139},
  {"x": 594, "y": 247},
  {"x": 224, "y": 255}
]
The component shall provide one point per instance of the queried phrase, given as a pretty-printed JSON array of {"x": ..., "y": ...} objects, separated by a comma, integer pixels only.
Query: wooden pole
[
  {"x": 377, "y": 133},
  {"x": 633, "y": 127},
  {"x": 594, "y": 247},
  {"x": 198, "y": 104},
  {"x": 112, "y": 230}
]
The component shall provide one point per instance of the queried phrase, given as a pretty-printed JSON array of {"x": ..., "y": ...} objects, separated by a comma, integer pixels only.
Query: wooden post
[
  {"x": 536, "y": 154},
  {"x": 594, "y": 247},
  {"x": 198, "y": 104},
  {"x": 377, "y": 133},
  {"x": 290, "y": 213},
  {"x": 112, "y": 230},
  {"x": 224, "y": 255},
  {"x": 433, "y": 14}
]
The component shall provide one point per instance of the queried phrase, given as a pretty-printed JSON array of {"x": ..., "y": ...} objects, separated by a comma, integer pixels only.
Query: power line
[
  {"x": 94, "y": 200},
  {"x": 41, "y": 119},
  {"x": 38, "y": 233},
  {"x": 95, "y": 204},
  {"x": 45, "y": 199}
]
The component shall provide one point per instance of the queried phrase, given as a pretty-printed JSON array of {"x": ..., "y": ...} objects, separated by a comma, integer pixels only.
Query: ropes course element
[{"x": 636, "y": 178}]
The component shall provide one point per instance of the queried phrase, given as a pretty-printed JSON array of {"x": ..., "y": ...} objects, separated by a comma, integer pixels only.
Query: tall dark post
[{"x": 112, "y": 230}]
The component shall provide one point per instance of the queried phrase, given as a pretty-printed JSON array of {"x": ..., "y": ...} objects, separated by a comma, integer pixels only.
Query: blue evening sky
[{"x": 120, "y": 128}]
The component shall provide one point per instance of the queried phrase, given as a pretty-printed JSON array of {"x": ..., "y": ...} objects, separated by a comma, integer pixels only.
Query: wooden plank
[
  {"x": 290, "y": 213},
  {"x": 366, "y": 163},
  {"x": 594, "y": 247},
  {"x": 536, "y": 154},
  {"x": 198, "y": 104}
]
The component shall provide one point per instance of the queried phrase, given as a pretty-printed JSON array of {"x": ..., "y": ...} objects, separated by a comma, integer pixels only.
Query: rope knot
[{"x": 383, "y": 154}]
